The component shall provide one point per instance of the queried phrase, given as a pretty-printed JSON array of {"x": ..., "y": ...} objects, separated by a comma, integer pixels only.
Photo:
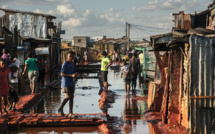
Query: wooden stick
[{"x": 201, "y": 97}]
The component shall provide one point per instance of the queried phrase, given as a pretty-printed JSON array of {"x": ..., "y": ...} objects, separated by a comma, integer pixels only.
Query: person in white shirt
[
  {"x": 127, "y": 75},
  {"x": 13, "y": 83}
]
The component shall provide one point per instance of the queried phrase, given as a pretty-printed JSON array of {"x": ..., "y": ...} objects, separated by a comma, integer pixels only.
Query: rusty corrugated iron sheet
[
  {"x": 201, "y": 112},
  {"x": 183, "y": 21},
  {"x": 187, "y": 21}
]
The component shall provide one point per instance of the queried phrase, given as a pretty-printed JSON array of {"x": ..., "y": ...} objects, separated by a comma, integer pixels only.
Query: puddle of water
[
  {"x": 86, "y": 101},
  {"x": 59, "y": 130}
]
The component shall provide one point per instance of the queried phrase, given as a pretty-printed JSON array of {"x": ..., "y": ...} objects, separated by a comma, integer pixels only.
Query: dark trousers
[{"x": 134, "y": 81}]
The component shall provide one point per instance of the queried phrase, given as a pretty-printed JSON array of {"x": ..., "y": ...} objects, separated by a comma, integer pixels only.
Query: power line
[
  {"x": 103, "y": 29},
  {"x": 151, "y": 27},
  {"x": 139, "y": 34},
  {"x": 144, "y": 30}
]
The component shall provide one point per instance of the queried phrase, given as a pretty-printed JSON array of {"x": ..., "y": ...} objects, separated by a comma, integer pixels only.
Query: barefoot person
[
  {"x": 105, "y": 63},
  {"x": 68, "y": 73},
  {"x": 13, "y": 82},
  {"x": 4, "y": 88},
  {"x": 126, "y": 73},
  {"x": 33, "y": 73},
  {"x": 135, "y": 69}
]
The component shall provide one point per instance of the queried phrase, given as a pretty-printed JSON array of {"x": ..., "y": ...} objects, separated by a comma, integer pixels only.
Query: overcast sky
[{"x": 108, "y": 17}]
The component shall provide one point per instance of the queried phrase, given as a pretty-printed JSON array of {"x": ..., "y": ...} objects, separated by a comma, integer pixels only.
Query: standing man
[
  {"x": 33, "y": 73},
  {"x": 135, "y": 68},
  {"x": 68, "y": 73},
  {"x": 105, "y": 63}
]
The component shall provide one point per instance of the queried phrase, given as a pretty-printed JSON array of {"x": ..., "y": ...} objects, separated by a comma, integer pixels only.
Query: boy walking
[
  {"x": 33, "y": 73},
  {"x": 126, "y": 73},
  {"x": 68, "y": 73}
]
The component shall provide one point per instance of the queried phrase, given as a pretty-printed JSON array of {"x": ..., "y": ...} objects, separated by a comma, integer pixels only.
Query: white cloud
[
  {"x": 134, "y": 8},
  {"x": 41, "y": 11},
  {"x": 4, "y": 6},
  {"x": 65, "y": 10},
  {"x": 111, "y": 16},
  {"x": 72, "y": 22},
  {"x": 87, "y": 12},
  {"x": 157, "y": 5},
  {"x": 111, "y": 9},
  {"x": 38, "y": 11}
]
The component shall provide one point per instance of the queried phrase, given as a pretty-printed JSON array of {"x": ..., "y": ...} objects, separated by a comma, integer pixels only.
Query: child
[
  {"x": 4, "y": 89},
  {"x": 13, "y": 86},
  {"x": 126, "y": 76}
]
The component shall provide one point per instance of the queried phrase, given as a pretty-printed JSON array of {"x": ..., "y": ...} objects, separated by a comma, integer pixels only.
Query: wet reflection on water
[
  {"x": 60, "y": 130},
  {"x": 86, "y": 101}
]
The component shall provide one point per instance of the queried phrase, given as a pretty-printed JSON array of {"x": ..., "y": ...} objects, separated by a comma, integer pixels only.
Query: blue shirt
[{"x": 68, "y": 68}]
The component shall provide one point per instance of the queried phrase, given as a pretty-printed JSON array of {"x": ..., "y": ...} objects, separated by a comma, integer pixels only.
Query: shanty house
[
  {"x": 183, "y": 90},
  {"x": 32, "y": 32}
]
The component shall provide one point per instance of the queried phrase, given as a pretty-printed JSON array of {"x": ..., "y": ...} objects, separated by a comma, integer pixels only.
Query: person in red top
[{"x": 4, "y": 84}]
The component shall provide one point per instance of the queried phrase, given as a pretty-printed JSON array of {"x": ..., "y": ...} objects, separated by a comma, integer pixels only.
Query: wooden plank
[
  {"x": 161, "y": 67},
  {"x": 166, "y": 91}
]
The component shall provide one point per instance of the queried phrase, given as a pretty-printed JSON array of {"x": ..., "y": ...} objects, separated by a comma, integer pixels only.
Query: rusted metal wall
[
  {"x": 201, "y": 85},
  {"x": 183, "y": 21}
]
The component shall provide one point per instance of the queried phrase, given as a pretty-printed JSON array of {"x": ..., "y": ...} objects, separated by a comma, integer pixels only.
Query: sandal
[
  {"x": 73, "y": 115},
  {"x": 9, "y": 108},
  {"x": 14, "y": 108}
]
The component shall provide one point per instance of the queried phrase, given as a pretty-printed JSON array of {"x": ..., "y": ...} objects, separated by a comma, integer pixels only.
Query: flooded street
[{"x": 86, "y": 100}]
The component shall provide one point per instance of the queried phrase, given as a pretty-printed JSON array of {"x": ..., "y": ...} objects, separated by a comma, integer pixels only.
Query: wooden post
[
  {"x": 166, "y": 91},
  {"x": 160, "y": 64}
]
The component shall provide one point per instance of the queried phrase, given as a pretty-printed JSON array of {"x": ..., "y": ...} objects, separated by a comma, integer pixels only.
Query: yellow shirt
[
  {"x": 141, "y": 58},
  {"x": 104, "y": 63}
]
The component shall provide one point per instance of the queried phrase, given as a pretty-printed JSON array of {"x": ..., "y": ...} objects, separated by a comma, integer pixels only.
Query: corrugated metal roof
[{"x": 24, "y": 12}]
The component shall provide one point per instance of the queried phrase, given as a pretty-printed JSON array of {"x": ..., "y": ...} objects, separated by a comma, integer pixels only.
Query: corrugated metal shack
[
  {"x": 32, "y": 32},
  {"x": 184, "y": 86}
]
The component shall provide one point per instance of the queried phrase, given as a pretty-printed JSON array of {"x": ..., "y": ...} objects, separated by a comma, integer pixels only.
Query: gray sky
[{"x": 108, "y": 17}]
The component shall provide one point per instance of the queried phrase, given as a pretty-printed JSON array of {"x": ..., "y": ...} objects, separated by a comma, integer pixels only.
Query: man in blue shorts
[{"x": 68, "y": 73}]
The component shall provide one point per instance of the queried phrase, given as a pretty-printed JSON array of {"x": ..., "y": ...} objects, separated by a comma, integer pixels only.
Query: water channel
[{"x": 86, "y": 101}]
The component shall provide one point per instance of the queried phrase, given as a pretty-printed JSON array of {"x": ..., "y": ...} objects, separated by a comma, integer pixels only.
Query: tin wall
[
  {"x": 31, "y": 26},
  {"x": 201, "y": 85}
]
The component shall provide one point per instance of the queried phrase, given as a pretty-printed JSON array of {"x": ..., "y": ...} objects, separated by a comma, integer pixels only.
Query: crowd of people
[
  {"x": 10, "y": 72},
  {"x": 131, "y": 68},
  {"x": 10, "y": 76}
]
